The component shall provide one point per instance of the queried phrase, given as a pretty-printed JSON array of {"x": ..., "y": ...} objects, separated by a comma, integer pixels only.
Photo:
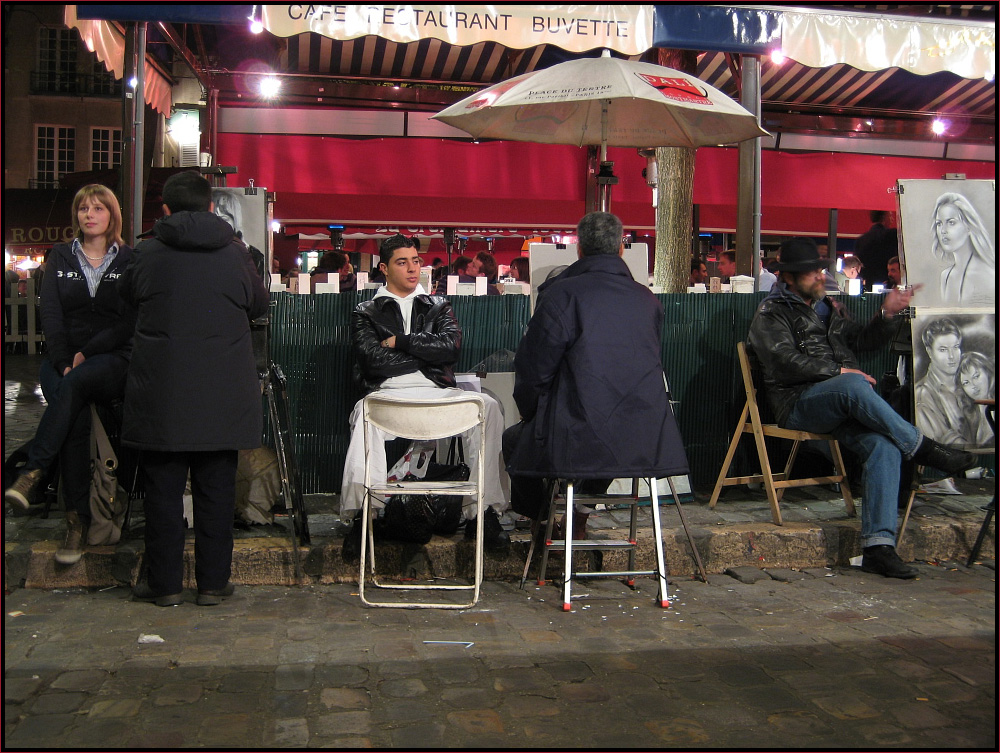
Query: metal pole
[
  {"x": 126, "y": 170},
  {"x": 139, "y": 128},
  {"x": 831, "y": 239},
  {"x": 748, "y": 190}
]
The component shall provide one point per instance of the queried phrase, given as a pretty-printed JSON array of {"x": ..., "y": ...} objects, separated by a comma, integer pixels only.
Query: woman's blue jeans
[
  {"x": 848, "y": 407},
  {"x": 64, "y": 430}
]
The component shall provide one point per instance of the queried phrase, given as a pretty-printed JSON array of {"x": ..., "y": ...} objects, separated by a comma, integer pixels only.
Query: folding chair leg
[
  {"x": 789, "y": 464},
  {"x": 909, "y": 504},
  {"x": 765, "y": 470},
  {"x": 841, "y": 470},
  {"x": 730, "y": 454}
]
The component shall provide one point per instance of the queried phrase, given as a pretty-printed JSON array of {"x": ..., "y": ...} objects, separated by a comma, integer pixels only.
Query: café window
[
  {"x": 105, "y": 148},
  {"x": 56, "y": 64},
  {"x": 55, "y": 154}
]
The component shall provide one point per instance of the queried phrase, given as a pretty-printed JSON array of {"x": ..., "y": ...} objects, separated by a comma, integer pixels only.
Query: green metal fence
[{"x": 310, "y": 340}]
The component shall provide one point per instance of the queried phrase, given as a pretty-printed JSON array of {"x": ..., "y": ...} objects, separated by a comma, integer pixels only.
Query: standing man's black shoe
[
  {"x": 883, "y": 560},
  {"x": 937, "y": 455}
]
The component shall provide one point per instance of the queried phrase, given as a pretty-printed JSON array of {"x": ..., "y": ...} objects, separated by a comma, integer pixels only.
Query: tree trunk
[
  {"x": 675, "y": 197},
  {"x": 675, "y": 166}
]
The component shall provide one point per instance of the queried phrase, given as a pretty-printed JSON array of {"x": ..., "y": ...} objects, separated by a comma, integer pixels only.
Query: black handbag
[
  {"x": 415, "y": 518},
  {"x": 448, "y": 507}
]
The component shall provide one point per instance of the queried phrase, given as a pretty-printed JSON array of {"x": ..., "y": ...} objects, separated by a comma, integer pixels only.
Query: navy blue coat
[
  {"x": 589, "y": 381},
  {"x": 192, "y": 384}
]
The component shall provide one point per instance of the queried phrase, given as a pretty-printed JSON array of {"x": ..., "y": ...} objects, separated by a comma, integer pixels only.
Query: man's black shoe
[
  {"x": 883, "y": 560},
  {"x": 937, "y": 455},
  {"x": 495, "y": 537},
  {"x": 142, "y": 592},
  {"x": 214, "y": 597}
]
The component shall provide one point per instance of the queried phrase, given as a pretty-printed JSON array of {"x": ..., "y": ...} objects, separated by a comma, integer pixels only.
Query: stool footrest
[
  {"x": 588, "y": 544},
  {"x": 614, "y": 574}
]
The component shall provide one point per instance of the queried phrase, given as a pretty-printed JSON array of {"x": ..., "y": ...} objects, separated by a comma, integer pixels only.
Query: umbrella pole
[{"x": 605, "y": 174}]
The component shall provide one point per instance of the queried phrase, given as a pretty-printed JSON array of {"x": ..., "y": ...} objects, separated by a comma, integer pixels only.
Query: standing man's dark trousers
[{"x": 213, "y": 487}]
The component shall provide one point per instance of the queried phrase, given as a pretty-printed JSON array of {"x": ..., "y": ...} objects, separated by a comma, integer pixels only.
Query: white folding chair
[{"x": 420, "y": 419}]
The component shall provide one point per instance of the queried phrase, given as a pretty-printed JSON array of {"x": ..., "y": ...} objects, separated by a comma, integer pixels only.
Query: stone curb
[{"x": 269, "y": 560}]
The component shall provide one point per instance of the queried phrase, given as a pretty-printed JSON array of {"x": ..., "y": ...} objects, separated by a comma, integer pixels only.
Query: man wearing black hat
[{"x": 805, "y": 343}]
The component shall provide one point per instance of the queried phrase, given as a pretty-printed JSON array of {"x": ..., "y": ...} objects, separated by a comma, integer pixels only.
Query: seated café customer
[
  {"x": 459, "y": 267},
  {"x": 192, "y": 399},
  {"x": 407, "y": 343},
  {"x": 727, "y": 264},
  {"x": 335, "y": 263},
  {"x": 894, "y": 274},
  {"x": 699, "y": 272},
  {"x": 589, "y": 382},
  {"x": 484, "y": 264},
  {"x": 88, "y": 336},
  {"x": 805, "y": 343},
  {"x": 851, "y": 270},
  {"x": 520, "y": 269}
]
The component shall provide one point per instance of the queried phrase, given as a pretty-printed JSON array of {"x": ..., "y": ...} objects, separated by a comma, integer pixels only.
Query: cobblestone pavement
[
  {"x": 815, "y": 658},
  {"x": 821, "y": 659}
]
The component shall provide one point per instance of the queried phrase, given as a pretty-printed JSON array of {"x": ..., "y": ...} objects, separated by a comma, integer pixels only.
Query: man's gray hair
[{"x": 599, "y": 233}]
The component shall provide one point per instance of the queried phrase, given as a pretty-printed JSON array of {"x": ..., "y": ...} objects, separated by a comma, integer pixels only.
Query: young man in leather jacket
[
  {"x": 408, "y": 342},
  {"x": 805, "y": 343}
]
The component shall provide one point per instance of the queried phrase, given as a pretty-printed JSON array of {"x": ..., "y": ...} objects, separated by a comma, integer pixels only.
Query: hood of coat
[
  {"x": 194, "y": 231},
  {"x": 604, "y": 263}
]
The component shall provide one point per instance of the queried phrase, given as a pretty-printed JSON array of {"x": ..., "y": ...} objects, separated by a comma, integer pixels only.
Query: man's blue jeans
[
  {"x": 64, "y": 430},
  {"x": 847, "y": 407}
]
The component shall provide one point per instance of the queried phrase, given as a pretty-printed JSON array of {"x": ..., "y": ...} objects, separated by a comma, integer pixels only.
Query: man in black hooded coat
[{"x": 193, "y": 398}]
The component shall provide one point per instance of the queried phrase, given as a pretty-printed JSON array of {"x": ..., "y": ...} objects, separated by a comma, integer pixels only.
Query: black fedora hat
[{"x": 800, "y": 255}]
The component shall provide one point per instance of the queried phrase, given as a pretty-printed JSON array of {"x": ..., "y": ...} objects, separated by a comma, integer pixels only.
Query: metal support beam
[
  {"x": 748, "y": 190},
  {"x": 831, "y": 239},
  {"x": 133, "y": 116}
]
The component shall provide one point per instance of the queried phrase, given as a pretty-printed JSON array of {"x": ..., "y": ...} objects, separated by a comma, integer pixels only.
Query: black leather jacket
[
  {"x": 795, "y": 350},
  {"x": 432, "y": 346}
]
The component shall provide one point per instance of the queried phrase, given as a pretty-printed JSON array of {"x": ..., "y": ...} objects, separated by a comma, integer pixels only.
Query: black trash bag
[
  {"x": 407, "y": 517},
  {"x": 415, "y": 518}
]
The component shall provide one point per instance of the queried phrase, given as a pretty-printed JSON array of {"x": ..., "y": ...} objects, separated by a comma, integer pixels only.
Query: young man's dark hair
[
  {"x": 460, "y": 264},
  {"x": 599, "y": 233},
  {"x": 878, "y": 215},
  {"x": 389, "y": 246},
  {"x": 187, "y": 192},
  {"x": 696, "y": 263}
]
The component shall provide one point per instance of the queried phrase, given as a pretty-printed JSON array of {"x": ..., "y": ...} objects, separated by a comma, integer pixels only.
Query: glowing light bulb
[{"x": 269, "y": 87}]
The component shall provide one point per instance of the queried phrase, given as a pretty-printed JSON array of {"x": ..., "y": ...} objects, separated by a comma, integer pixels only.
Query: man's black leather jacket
[
  {"x": 432, "y": 346},
  {"x": 795, "y": 350}
]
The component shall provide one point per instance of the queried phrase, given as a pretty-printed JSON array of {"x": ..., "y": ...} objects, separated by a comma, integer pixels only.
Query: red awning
[{"x": 438, "y": 182}]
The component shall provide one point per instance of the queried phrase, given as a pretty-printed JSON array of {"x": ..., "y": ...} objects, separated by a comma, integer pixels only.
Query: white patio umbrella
[{"x": 604, "y": 101}]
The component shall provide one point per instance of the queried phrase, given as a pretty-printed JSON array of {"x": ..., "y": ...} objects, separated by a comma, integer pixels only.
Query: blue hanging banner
[
  {"x": 177, "y": 13},
  {"x": 716, "y": 28}
]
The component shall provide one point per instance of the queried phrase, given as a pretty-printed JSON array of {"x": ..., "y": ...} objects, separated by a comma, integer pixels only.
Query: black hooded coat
[{"x": 192, "y": 384}]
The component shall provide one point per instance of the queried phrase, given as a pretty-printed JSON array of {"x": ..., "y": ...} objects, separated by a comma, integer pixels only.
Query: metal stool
[{"x": 567, "y": 545}]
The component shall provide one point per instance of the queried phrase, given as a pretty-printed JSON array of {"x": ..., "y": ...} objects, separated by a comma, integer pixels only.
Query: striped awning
[
  {"x": 836, "y": 89},
  {"x": 841, "y": 88}
]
